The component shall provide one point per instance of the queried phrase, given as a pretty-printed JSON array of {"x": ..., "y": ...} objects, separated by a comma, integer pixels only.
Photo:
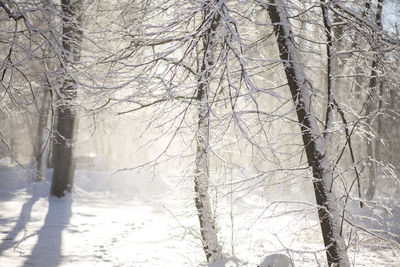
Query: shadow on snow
[
  {"x": 23, "y": 219},
  {"x": 48, "y": 249}
]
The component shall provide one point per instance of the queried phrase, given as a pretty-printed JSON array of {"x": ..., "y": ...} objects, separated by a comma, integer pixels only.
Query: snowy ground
[{"x": 136, "y": 219}]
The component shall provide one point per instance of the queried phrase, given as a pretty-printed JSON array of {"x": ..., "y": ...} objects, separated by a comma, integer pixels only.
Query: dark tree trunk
[
  {"x": 66, "y": 115},
  {"x": 314, "y": 142},
  {"x": 63, "y": 151}
]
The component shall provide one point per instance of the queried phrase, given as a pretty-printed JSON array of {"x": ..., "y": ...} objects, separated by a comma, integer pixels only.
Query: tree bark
[
  {"x": 66, "y": 116},
  {"x": 208, "y": 230},
  {"x": 314, "y": 143}
]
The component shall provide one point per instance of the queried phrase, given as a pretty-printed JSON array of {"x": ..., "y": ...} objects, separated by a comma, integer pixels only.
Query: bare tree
[
  {"x": 314, "y": 142},
  {"x": 208, "y": 230},
  {"x": 374, "y": 103},
  {"x": 66, "y": 115}
]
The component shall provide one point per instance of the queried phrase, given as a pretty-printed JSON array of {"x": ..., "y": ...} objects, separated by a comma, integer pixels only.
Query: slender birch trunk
[
  {"x": 66, "y": 116},
  {"x": 41, "y": 143},
  {"x": 314, "y": 142},
  {"x": 371, "y": 106},
  {"x": 208, "y": 229}
]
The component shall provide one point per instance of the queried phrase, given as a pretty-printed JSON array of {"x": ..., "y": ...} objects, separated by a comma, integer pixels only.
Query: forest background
[{"x": 289, "y": 108}]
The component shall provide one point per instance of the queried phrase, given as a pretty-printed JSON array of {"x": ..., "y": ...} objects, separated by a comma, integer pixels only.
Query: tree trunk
[
  {"x": 370, "y": 109},
  {"x": 41, "y": 143},
  {"x": 66, "y": 116},
  {"x": 314, "y": 143},
  {"x": 50, "y": 152},
  {"x": 208, "y": 230}
]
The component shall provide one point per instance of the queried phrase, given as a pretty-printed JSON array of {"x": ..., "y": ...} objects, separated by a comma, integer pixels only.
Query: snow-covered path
[{"x": 92, "y": 230}]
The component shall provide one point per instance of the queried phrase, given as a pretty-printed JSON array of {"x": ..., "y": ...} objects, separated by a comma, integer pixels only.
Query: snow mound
[{"x": 276, "y": 260}]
